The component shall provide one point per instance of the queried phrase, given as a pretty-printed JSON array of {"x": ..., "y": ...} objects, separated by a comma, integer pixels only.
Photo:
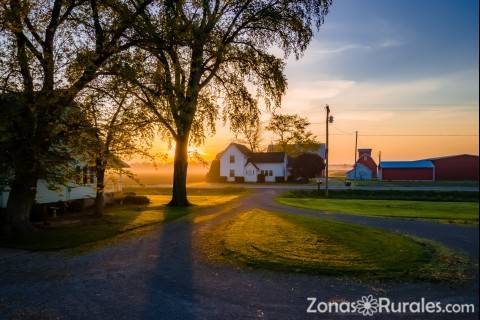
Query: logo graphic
[{"x": 367, "y": 305}]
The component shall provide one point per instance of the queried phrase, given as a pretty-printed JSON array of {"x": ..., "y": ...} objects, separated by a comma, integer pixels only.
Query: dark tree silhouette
[
  {"x": 49, "y": 52},
  {"x": 307, "y": 165},
  {"x": 205, "y": 58}
]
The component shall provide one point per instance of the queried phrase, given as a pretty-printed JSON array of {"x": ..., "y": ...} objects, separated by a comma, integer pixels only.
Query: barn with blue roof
[{"x": 420, "y": 170}]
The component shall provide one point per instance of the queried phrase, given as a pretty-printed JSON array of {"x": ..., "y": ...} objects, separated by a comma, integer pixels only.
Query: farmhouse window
[
  {"x": 232, "y": 173},
  {"x": 232, "y": 159},
  {"x": 270, "y": 173}
]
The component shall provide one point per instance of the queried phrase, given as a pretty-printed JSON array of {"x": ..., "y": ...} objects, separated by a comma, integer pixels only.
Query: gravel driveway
[{"x": 161, "y": 276}]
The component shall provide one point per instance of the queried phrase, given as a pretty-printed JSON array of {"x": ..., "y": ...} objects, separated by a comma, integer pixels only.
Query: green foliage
[
  {"x": 49, "y": 52},
  {"x": 290, "y": 129},
  {"x": 198, "y": 58}
]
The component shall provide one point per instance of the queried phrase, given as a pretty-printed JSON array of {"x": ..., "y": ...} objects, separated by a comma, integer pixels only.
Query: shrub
[
  {"x": 260, "y": 178},
  {"x": 76, "y": 205},
  {"x": 222, "y": 179},
  {"x": 279, "y": 179},
  {"x": 128, "y": 199},
  {"x": 239, "y": 179}
]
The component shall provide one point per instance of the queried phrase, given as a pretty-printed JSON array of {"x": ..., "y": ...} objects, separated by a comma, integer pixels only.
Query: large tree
[
  {"x": 210, "y": 57},
  {"x": 50, "y": 50},
  {"x": 290, "y": 128}
]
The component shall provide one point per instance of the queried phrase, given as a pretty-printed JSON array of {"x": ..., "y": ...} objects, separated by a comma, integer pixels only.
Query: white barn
[{"x": 237, "y": 161}]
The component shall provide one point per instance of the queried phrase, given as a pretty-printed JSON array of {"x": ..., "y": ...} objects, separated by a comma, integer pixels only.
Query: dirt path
[{"x": 161, "y": 276}]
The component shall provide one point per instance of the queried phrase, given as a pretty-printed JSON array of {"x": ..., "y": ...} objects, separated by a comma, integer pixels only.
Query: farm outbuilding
[
  {"x": 456, "y": 167},
  {"x": 421, "y": 170}
]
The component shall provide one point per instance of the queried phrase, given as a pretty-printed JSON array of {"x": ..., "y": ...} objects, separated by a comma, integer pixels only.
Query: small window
[
  {"x": 232, "y": 173},
  {"x": 232, "y": 159},
  {"x": 270, "y": 173}
]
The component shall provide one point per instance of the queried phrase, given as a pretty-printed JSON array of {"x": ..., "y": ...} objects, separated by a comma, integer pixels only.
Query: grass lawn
[
  {"x": 453, "y": 212},
  {"x": 192, "y": 191},
  {"x": 118, "y": 220},
  {"x": 417, "y": 183},
  {"x": 294, "y": 243}
]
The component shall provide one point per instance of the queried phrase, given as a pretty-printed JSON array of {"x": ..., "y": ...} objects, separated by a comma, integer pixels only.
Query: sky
[{"x": 388, "y": 69}]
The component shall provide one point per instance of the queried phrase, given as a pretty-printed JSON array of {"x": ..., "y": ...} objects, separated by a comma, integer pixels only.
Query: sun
[{"x": 191, "y": 151}]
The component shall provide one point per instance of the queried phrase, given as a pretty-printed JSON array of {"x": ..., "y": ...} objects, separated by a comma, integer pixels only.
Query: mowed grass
[
  {"x": 294, "y": 243},
  {"x": 451, "y": 212},
  {"x": 118, "y": 220}
]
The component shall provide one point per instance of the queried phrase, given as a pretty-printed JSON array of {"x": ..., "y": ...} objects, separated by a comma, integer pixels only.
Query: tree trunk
[
  {"x": 16, "y": 220},
  {"x": 99, "y": 198},
  {"x": 180, "y": 164}
]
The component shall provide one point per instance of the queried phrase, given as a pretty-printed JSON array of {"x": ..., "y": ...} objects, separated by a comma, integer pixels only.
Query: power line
[
  {"x": 419, "y": 135},
  {"x": 404, "y": 135}
]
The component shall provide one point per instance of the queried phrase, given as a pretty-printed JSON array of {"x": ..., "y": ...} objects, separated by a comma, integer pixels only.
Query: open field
[
  {"x": 451, "y": 212},
  {"x": 288, "y": 242},
  {"x": 118, "y": 220}
]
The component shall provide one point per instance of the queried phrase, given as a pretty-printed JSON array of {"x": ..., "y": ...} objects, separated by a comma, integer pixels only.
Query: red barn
[
  {"x": 456, "y": 167},
  {"x": 421, "y": 170}
]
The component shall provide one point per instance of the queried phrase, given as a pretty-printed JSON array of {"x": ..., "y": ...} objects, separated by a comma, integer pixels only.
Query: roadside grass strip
[{"x": 447, "y": 212}]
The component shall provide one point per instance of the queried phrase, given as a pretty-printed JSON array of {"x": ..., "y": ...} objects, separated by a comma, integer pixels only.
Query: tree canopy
[
  {"x": 203, "y": 59},
  {"x": 290, "y": 129}
]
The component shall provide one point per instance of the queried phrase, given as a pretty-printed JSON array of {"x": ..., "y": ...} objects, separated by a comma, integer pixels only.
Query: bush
[
  {"x": 222, "y": 179},
  {"x": 128, "y": 199},
  {"x": 260, "y": 178},
  {"x": 76, "y": 205},
  {"x": 239, "y": 179},
  {"x": 279, "y": 179}
]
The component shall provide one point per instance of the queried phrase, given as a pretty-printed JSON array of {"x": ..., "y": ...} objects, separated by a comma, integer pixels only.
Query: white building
[
  {"x": 237, "y": 161},
  {"x": 84, "y": 188},
  {"x": 361, "y": 172}
]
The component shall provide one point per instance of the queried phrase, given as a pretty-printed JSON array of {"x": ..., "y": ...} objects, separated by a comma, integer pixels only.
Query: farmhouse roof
[
  {"x": 407, "y": 164},
  {"x": 453, "y": 156},
  {"x": 243, "y": 149},
  {"x": 267, "y": 157}
]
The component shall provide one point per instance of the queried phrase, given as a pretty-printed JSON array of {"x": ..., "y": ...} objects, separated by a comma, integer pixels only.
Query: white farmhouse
[{"x": 237, "y": 162}]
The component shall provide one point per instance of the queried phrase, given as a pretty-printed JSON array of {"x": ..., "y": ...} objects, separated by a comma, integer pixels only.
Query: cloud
[
  {"x": 340, "y": 49},
  {"x": 391, "y": 43}
]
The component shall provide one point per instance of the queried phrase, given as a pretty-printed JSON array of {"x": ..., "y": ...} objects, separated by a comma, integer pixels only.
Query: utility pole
[
  {"x": 355, "y": 163},
  {"x": 329, "y": 119}
]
